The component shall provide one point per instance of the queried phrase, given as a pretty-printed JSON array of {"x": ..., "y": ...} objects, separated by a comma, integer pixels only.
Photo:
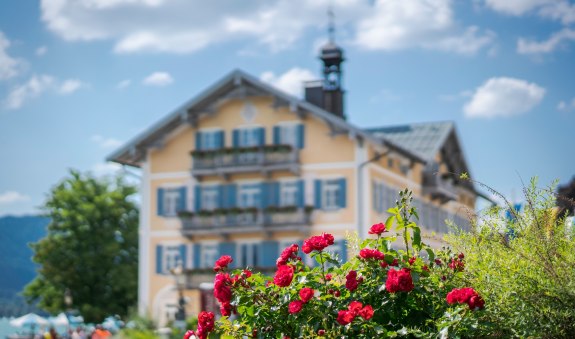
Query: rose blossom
[
  {"x": 288, "y": 253},
  {"x": 284, "y": 276},
  {"x": 222, "y": 262},
  {"x": 344, "y": 317},
  {"x": 354, "y": 307},
  {"x": 377, "y": 229},
  {"x": 222, "y": 290},
  {"x": 295, "y": 306},
  {"x": 366, "y": 312},
  {"x": 351, "y": 281},
  {"x": 399, "y": 280},
  {"x": 317, "y": 243},
  {"x": 466, "y": 295},
  {"x": 368, "y": 253},
  {"x": 305, "y": 294}
]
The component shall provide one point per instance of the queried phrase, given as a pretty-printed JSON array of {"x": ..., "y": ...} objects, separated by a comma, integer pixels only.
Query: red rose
[
  {"x": 461, "y": 256},
  {"x": 284, "y": 276},
  {"x": 206, "y": 321},
  {"x": 412, "y": 260},
  {"x": 222, "y": 290},
  {"x": 366, "y": 312},
  {"x": 438, "y": 262},
  {"x": 305, "y": 294},
  {"x": 344, "y": 317},
  {"x": 368, "y": 253},
  {"x": 320, "y": 332},
  {"x": 288, "y": 253},
  {"x": 317, "y": 243},
  {"x": 399, "y": 281},
  {"x": 226, "y": 309},
  {"x": 377, "y": 229},
  {"x": 189, "y": 334},
  {"x": 351, "y": 281},
  {"x": 354, "y": 307},
  {"x": 466, "y": 295},
  {"x": 295, "y": 306},
  {"x": 394, "y": 262},
  {"x": 457, "y": 265},
  {"x": 222, "y": 262},
  {"x": 329, "y": 238},
  {"x": 328, "y": 277}
]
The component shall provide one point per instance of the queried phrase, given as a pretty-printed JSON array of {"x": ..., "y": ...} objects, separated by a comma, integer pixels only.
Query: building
[{"x": 245, "y": 169}]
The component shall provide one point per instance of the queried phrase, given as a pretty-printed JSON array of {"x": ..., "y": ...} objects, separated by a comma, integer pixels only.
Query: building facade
[{"x": 244, "y": 169}]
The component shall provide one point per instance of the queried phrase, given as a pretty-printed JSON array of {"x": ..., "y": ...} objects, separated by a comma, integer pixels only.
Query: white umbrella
[
  {"x": 29, "y": 319},
  {"x": 60, "y": 320}
]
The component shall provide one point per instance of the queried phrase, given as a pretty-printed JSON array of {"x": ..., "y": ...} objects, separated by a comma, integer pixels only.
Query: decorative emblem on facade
[{"x": 249, "y": 111}]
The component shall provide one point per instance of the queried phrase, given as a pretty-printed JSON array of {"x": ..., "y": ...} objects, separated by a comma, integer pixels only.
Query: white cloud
[
  {"x": 158, "y": 79},
  {"x": 37, "y": 85},
  {"x": 106, "y": 169},
  {"x": 186, "y": 26},
  {"x": 40, "y": 51},
  {"x": 124, "y": 84},
  {"x": 10, "y": 197},
  {"x": 429, "y": 24},
  {"x": 557, "y": 39},
  {"x": 9, "y": 66},
  {"x": 291, "y": 81},
  {"x": 566, "y": 106},
  {"x": 559, "y": 10},
  {"x": 503, "y": 97},
  {"x": 105, "y": 142},
  {"x": 70, "y": 86},
  {"x": 516, "y": 7}
]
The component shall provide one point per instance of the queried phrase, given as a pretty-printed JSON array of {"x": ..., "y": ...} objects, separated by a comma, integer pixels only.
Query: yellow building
[{"x": 245, "y": 169}]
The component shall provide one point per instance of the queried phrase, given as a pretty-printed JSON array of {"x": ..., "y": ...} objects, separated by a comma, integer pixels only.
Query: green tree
[{"x": 91, "y": 248}]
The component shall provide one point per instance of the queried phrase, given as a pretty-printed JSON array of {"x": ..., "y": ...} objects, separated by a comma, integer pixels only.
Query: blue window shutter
[
  {"x": 182, "y": 202},
  {"x": 300, "y": 136},
  {"x": 317, "y": 193},
  {"x": 342, "y": 193},
  {"x": 275, "y": 194},
  {"x": 277, "y": 135},
  {"x": 300, "y": 193},
  {"x": 343, "y": 246},
  {"x": 262, "y": 136},
  {"x": 198, "y": 140},
  {"x": 232, "y": 195},
  {"x": 160, "y": 197},
  {"x": 184, "y": 256},
  {"x": 269, "y": 253},
  {"x": 221, "y": 141},
  {"x": 229, "y": 248},
  {"x": 236, "y": 138},
  {"x": 197, "y": 255},
  {"x": 159, "y": 268},
  {"x": 221, "y": 196},
  {"x": 198, "y": 198}
]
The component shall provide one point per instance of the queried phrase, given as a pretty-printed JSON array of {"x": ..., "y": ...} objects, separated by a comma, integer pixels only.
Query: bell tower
[{"x": 329, "y": 93}]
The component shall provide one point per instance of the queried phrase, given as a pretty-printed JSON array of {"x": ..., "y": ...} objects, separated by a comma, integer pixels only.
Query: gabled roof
[
  {"x": 423, "y": 138},
  {"x": 240, "y": 84}
]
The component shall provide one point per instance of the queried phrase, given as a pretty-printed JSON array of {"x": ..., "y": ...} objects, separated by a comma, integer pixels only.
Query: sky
[{"x": 78, "y": 78}]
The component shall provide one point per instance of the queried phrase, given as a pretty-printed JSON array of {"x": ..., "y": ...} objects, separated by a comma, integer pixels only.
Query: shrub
[
  {"x": 523, "y": 264},
  {"x": 380, "y": 292}
]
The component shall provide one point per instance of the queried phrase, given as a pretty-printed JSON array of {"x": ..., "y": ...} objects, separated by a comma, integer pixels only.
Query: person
[{"x": 101, "y": 333}]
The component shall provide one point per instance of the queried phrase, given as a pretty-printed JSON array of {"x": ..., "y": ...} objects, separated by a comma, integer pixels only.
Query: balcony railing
[
  {"x": 237, "y": 220},
  {"x": 245, "y": 159},
  {"x": 438, "y": 186}
]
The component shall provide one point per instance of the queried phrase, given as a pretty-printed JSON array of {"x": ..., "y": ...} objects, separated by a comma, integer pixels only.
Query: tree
[
  {"x": 91, "y": 248},
  {"x": 566, "y": 197}
]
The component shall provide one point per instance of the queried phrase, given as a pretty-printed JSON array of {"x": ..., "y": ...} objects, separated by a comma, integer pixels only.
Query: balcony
[
  {"x": 242, "y": 220},
  {"x": 262, "y": 159},
  {"x": 439, "y": 186}
]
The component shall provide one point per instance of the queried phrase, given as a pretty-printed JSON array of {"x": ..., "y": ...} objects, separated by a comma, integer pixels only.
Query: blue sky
[{"x": 80, "y": 77}]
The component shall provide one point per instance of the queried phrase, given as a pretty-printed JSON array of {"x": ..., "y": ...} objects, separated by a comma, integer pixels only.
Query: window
[
  {"x": 248, "y": 137},
  {"x": 171, "y": 201},
  {"x": 248, "y": 254},
  {"x": 249, "y": 195},
  {"x": 209, "y": 255},
  {"x": 210, "y": 198},
  {"x": 289, "y": 134},
  {"x": 331, "y": 192},
  {"x": 171, "y": 258},
  {"x": 209, "y": 140},
  {"x": 288, "y": 193}
]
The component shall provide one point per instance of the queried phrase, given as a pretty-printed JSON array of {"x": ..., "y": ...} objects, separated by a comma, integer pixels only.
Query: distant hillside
[{"x": 16, "y": 264}]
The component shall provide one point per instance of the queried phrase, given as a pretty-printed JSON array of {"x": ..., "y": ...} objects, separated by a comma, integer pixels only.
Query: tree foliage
[
  {"x": 566, "y": 197},
  {"x": 91, "y": 248},
  {"x": 524, "y": 267}
]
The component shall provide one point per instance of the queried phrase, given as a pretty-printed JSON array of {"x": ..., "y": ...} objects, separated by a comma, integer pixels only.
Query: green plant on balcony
[
  {"x": 205, "y": 213},
  {"x": 308, "y": 209},
  {"x": 185, "y": 214}
]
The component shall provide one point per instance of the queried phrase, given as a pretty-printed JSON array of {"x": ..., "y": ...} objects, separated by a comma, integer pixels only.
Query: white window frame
[
  {"x": 248, "y": 136},
  {"x": 210, "y": 198},
  {"x": 171, "y": 201},
  {"x": 252, "y": 254},
  {"x": 209, "y": 139},
  {"x": 209, "y": 254},
  {"x": 288, "y": 134},
  {"x": 250, "y": 191},
  {"x": 288, "y": 193},
  {"x": 171, "y": 256},
  {"x": 330, "y": 194}
]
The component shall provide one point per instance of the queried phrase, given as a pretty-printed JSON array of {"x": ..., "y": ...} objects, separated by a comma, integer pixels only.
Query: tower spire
[{"x": 330, "y": 24}]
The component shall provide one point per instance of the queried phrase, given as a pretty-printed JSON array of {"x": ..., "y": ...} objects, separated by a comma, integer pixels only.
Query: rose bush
[{"x": 380, "y": 292}]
